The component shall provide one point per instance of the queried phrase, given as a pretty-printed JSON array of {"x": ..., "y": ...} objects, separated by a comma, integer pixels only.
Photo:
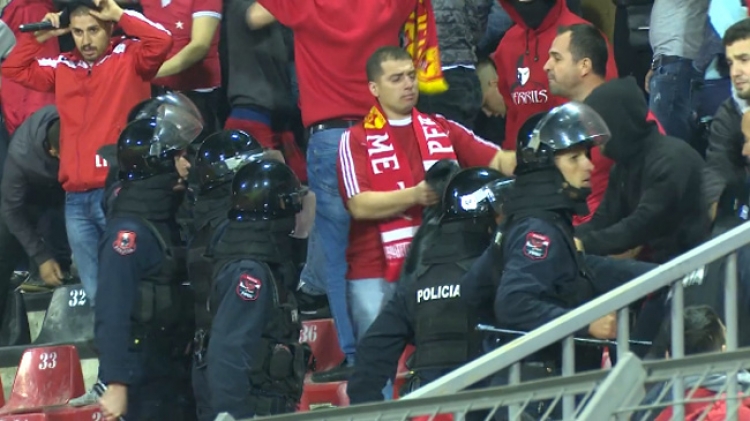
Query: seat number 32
[
  {"x": 77, "y": 298},
  {"x": 47, "y": 360}
]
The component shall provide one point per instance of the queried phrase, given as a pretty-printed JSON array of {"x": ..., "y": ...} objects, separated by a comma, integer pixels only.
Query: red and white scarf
[{"x": 389, "y": 171}]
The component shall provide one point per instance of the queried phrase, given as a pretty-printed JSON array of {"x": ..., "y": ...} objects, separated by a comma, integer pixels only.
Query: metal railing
[
  {"x": 621, "y": 395},
  {"x": 563, "y": 328}
]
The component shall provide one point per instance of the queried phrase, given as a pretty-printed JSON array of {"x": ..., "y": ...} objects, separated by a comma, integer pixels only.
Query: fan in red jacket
[
  {"x": 95, "y": 85},
  {"x": 520, "y": 59},
  {"x": 18, "y": 101}
]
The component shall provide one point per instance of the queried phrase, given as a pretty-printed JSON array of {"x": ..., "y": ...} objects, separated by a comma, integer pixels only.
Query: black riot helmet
[
  {"x": 147, "y": 147},
  {"x": 564, "y": 127},
  {"x": 265, "y": 190},
  {"x": 222, "y": 154},
  {"x": 473, "y": 193},
  {"x": 149, "y": 108}
]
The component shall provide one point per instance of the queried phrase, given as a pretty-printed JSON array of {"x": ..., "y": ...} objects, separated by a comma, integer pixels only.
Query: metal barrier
[
  {"x": 631, "y": 376},
  {"x": 443, "y": 391}
]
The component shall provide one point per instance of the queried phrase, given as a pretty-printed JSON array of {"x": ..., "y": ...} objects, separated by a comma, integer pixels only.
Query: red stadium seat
[
  {"x": 438, "y": 417},
  {"x": 321, "y": 336},
  {"x": 26, "y": 417},
  {"x": 47, "y": 376},
  {"x": 323, "y": 395}
]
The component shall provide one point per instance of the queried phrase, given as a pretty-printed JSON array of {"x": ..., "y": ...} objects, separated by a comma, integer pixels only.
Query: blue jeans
[
  {"x": 671, "y": 97},
  {"x": 366, "y": 298},
  {"x": 325, "y": 269},
  {"x": 85, "y": 223}
]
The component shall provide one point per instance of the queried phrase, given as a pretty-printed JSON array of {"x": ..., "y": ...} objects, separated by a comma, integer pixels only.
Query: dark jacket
[
  {"x": 725, "y": 164},
  {"x": 259, "y": 62},
  {"x": 654, "y": 194},
  {"x": 460, "y": 26},
  {"x": 30, "y": 178}
]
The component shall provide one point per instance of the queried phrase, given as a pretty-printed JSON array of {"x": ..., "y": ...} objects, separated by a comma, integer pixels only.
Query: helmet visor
[
  {"x": 306, "y": 215},
  {"x": 234, "y": 163},
  {"x": 570, "y": 125},
  {"x": 178, "y": 124},
  {"x": 496, "y": 192}
]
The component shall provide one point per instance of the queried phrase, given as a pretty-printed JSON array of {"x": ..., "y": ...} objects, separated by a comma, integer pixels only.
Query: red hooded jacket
[
  {"x": 520, "y": 59},
  {"x": 18, "y": 101},
  {"x": 718, "y": 411},
  {"x": 93, "y": 99}
]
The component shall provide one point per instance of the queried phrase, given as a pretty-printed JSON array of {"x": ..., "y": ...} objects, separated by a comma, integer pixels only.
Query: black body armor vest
[
  {"x": 445, "y": 334},
  {"x": 162, "y": 302},
  {"x": 200, "y": 272},
  {"x": 283, "y": 361}
]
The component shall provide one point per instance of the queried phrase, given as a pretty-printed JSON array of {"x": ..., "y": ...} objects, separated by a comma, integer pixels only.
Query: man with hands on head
[{"x": 95, "y": 87}]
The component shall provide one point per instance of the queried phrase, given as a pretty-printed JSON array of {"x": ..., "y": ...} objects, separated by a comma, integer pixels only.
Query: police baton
[{"x": 587, "y": 341}]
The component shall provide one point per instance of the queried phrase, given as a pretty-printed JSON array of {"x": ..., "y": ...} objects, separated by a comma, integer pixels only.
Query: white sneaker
[{"x": 88, "y": 398}]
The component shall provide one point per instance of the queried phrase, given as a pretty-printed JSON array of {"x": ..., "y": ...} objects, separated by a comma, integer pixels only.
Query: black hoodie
[
  {"x": 30, "y": 178},
  {"x": 654, "y": 194}
]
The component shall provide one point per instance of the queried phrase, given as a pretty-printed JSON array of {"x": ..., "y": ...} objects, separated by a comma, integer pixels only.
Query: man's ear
[{"x": 373, "y": 89}]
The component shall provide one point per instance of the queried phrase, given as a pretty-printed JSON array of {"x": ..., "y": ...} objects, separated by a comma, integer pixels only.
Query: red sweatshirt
[
  {"x": 20, "y": 102},
  {"x": 520, "y": 59},
  {"x": 93, "y": 99}
]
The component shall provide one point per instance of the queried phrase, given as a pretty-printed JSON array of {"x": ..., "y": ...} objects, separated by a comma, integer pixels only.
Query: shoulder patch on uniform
[
  {"x": 248, "y": 288},
  {"x": 124, "y": 244},
  {"x": 536, "y": 246}
]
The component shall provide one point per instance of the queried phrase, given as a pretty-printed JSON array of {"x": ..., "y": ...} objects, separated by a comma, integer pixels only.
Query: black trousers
[{"x": 461, "y": 102}]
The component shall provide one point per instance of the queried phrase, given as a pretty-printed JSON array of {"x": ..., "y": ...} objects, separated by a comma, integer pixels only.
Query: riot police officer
[
  {"x": 428, "y": 309},
  {"x": 544, "y": 275},
  {"x": 142, "y": 328},
  {"x": 255, "y": 363},
  {"x": 217, "y": 160}
]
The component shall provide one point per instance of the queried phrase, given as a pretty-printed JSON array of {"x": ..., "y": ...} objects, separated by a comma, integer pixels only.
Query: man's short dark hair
[
  {"x": 53, "y": 135},
  {"x": 739, "y": 31},
  {"x": 374, "y": 67},
  {"x": 704, "y": 331},
  {"x": 588, "y": 42}
]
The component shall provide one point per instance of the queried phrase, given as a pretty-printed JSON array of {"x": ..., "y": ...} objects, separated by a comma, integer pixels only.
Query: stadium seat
[
  {"x": 68, "y": 413},
  {"x": 69, "y": 318},
  {"x": 321, "y": 336},
  {"x": 323, "y": 395},
  {"x": 47, "y": 376},
  {"x": 437, "y": 417},
  {"x": 26, "y": 417}
]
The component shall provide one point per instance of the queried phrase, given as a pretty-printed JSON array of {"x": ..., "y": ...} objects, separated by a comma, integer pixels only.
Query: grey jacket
[
  {"x": 30, "y": 178},
  {"x": 725, "y": 164},
  {"x": 460, "y": 26}
]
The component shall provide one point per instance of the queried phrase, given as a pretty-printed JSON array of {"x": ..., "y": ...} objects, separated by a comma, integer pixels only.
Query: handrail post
[
  {"x": 568, "y": 369},
  {"x": 623, "y": 332},
  {"x": 514, "y": 377},
  {"x": 678, "y": 347},
  {"x": 732, "y": 325}
]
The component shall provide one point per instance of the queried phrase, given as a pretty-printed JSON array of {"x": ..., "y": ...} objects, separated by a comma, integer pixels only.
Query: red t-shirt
[
  {"x": 332, "y": 41},
  {"x": 177, "y": 16},
  {"x": 19, "y": 102},
  {"x": 364, "y": 256}
]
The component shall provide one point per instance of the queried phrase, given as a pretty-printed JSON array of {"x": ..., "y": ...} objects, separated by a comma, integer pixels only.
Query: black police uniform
[
  {"x": 427, "y": 308},
  {"x": 218, "y": 157},
  {"x": 255, "y": 363},
  {"x": 142, "y": 328}
]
